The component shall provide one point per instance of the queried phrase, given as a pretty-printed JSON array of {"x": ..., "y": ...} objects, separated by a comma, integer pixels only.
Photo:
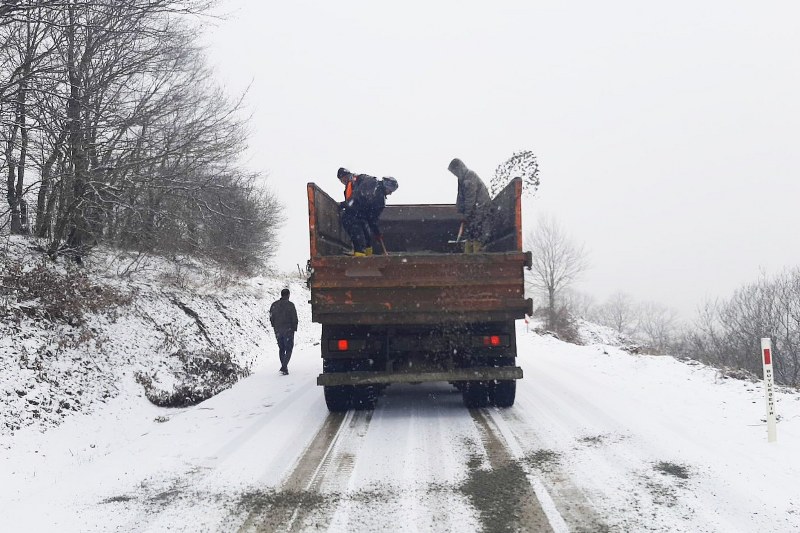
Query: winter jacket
[
  {"x": 348, "y": 189},
  {"x": 351, "y": 186},
  {"x": 369, "y": 201},
  {"x": 366, "y": 200},
  {"x": 473, "y": 201},
  {"x": 283, "y": 316}
]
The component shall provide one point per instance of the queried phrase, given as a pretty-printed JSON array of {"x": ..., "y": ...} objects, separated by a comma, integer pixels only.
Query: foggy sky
[{"x": 667, "y": 135}]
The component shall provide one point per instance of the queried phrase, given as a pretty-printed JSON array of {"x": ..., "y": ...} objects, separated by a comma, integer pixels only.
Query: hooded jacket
[{"x": 473, "y": 200}]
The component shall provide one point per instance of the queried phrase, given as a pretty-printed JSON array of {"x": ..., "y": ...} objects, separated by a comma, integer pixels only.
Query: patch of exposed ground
[
  {"x": 672, "y": 469},
  {"x": 500, "y": 495},
  {"x": 300, "y": 510},
  {"x": 543, "y": 460},
  {"x": 286, "y": 500}
]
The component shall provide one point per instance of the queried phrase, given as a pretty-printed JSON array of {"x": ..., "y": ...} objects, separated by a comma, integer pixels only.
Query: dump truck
[{"x": 423, "y": 312}]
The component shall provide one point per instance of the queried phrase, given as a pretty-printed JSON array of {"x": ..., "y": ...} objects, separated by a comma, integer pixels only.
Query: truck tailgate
[{"x": 408, "y": 288}]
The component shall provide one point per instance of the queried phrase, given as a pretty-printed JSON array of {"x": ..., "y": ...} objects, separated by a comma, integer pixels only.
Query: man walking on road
[{"x": 283, "y": 317}]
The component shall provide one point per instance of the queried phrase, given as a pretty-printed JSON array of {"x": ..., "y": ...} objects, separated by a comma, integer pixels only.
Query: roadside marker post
[{"x": 769, "y": 388}]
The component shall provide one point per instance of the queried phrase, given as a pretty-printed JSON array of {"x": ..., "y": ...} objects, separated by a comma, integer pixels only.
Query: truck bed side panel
[{"x": 419, "y": 289}]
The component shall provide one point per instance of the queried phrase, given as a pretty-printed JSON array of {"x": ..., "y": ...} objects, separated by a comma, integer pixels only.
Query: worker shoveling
[{"x": 364, "y": 201}]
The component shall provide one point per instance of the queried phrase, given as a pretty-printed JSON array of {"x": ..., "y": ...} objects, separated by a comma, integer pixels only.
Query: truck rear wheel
[
  {"x": 502, "y": 393},
  {"x": 337, "y": 398},
  {"x": 475, "y": 394},
  {"x": 364, "y": 397}
]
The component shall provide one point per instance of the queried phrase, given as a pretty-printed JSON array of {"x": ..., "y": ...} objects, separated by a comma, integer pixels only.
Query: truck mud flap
[{"x": 461, "y": 374}]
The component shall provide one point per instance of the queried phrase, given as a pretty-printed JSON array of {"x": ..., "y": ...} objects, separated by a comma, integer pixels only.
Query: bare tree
[
  {"x": 788, "y": 327},
  {"x": 579, "y": 304},
  {"x": 557, "y": 262},
  {"x": 705, "y": 340},
  {"x": 25, "y": 52},
  {"x": 656, "y": 326},
  {"x": 619, "y": 313},
  {"x": 111, "y": 107}
]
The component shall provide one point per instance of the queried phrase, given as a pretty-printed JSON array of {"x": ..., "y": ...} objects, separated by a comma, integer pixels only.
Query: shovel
[
  {"x": 460, "y": 232},
  {"x": 380, "y": 239}
]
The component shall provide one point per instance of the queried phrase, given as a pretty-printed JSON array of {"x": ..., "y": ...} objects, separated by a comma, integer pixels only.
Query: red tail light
[
  {"x": 346, "y": 345},
  {"x": 491, "y": 340}
]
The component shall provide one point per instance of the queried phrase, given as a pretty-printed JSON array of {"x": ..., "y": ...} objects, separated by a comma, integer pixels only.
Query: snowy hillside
[
  {"x": 179, "y": 331},
  {"x": 599, "y": 439}
]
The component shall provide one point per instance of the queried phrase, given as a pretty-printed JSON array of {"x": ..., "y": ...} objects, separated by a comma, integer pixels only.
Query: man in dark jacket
[
  {"x": 369, "y": 201},
  {"x": 475, "y": 206},
  {"x": 365, "y": 199},
  {"x": 283, "y": 317}
]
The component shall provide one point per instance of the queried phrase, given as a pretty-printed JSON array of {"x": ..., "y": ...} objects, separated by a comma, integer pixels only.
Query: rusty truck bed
[
  {"x": 425, "y": 279},
  {"x": 418, "y": 288}
]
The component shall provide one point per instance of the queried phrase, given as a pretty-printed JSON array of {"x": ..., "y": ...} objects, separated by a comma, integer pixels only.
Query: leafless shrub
[
  {"x": 564, "y": 325},
  {"x": 200, "y": 375},
  {"x": 44, "y": 291},
  {"x": 653, "y": 328},
  {"x": 727, "y": 333}
]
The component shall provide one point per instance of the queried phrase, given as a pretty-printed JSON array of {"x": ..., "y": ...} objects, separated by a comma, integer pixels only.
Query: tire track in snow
[
  {"x": 533, "y": 508},
  {"x": 410, "y": 463},
  {"x": 319, "y": 491},
  {"x": 311, "y": 490},
  {"x": 574, "y": 506},
  {"x": 392, "y": 469}
]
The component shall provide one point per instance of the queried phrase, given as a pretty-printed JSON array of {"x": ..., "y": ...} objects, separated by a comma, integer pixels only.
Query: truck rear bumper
[{"x": 461, "y": 374}]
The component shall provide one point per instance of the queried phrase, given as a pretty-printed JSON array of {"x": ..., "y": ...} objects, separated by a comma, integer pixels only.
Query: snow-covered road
[{"x": 599, "y": 440}]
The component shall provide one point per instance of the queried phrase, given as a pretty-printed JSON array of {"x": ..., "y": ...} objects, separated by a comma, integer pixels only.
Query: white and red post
[{"x": 769, "y": 388}]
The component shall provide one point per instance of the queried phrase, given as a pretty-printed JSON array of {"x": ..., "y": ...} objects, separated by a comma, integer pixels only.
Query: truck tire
[
  {"x": 503, "y": 392},
  {"x": 364, "y": 397},
  {"x": 337, "y": 398},
  {"x": 475, "y": 394}
]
